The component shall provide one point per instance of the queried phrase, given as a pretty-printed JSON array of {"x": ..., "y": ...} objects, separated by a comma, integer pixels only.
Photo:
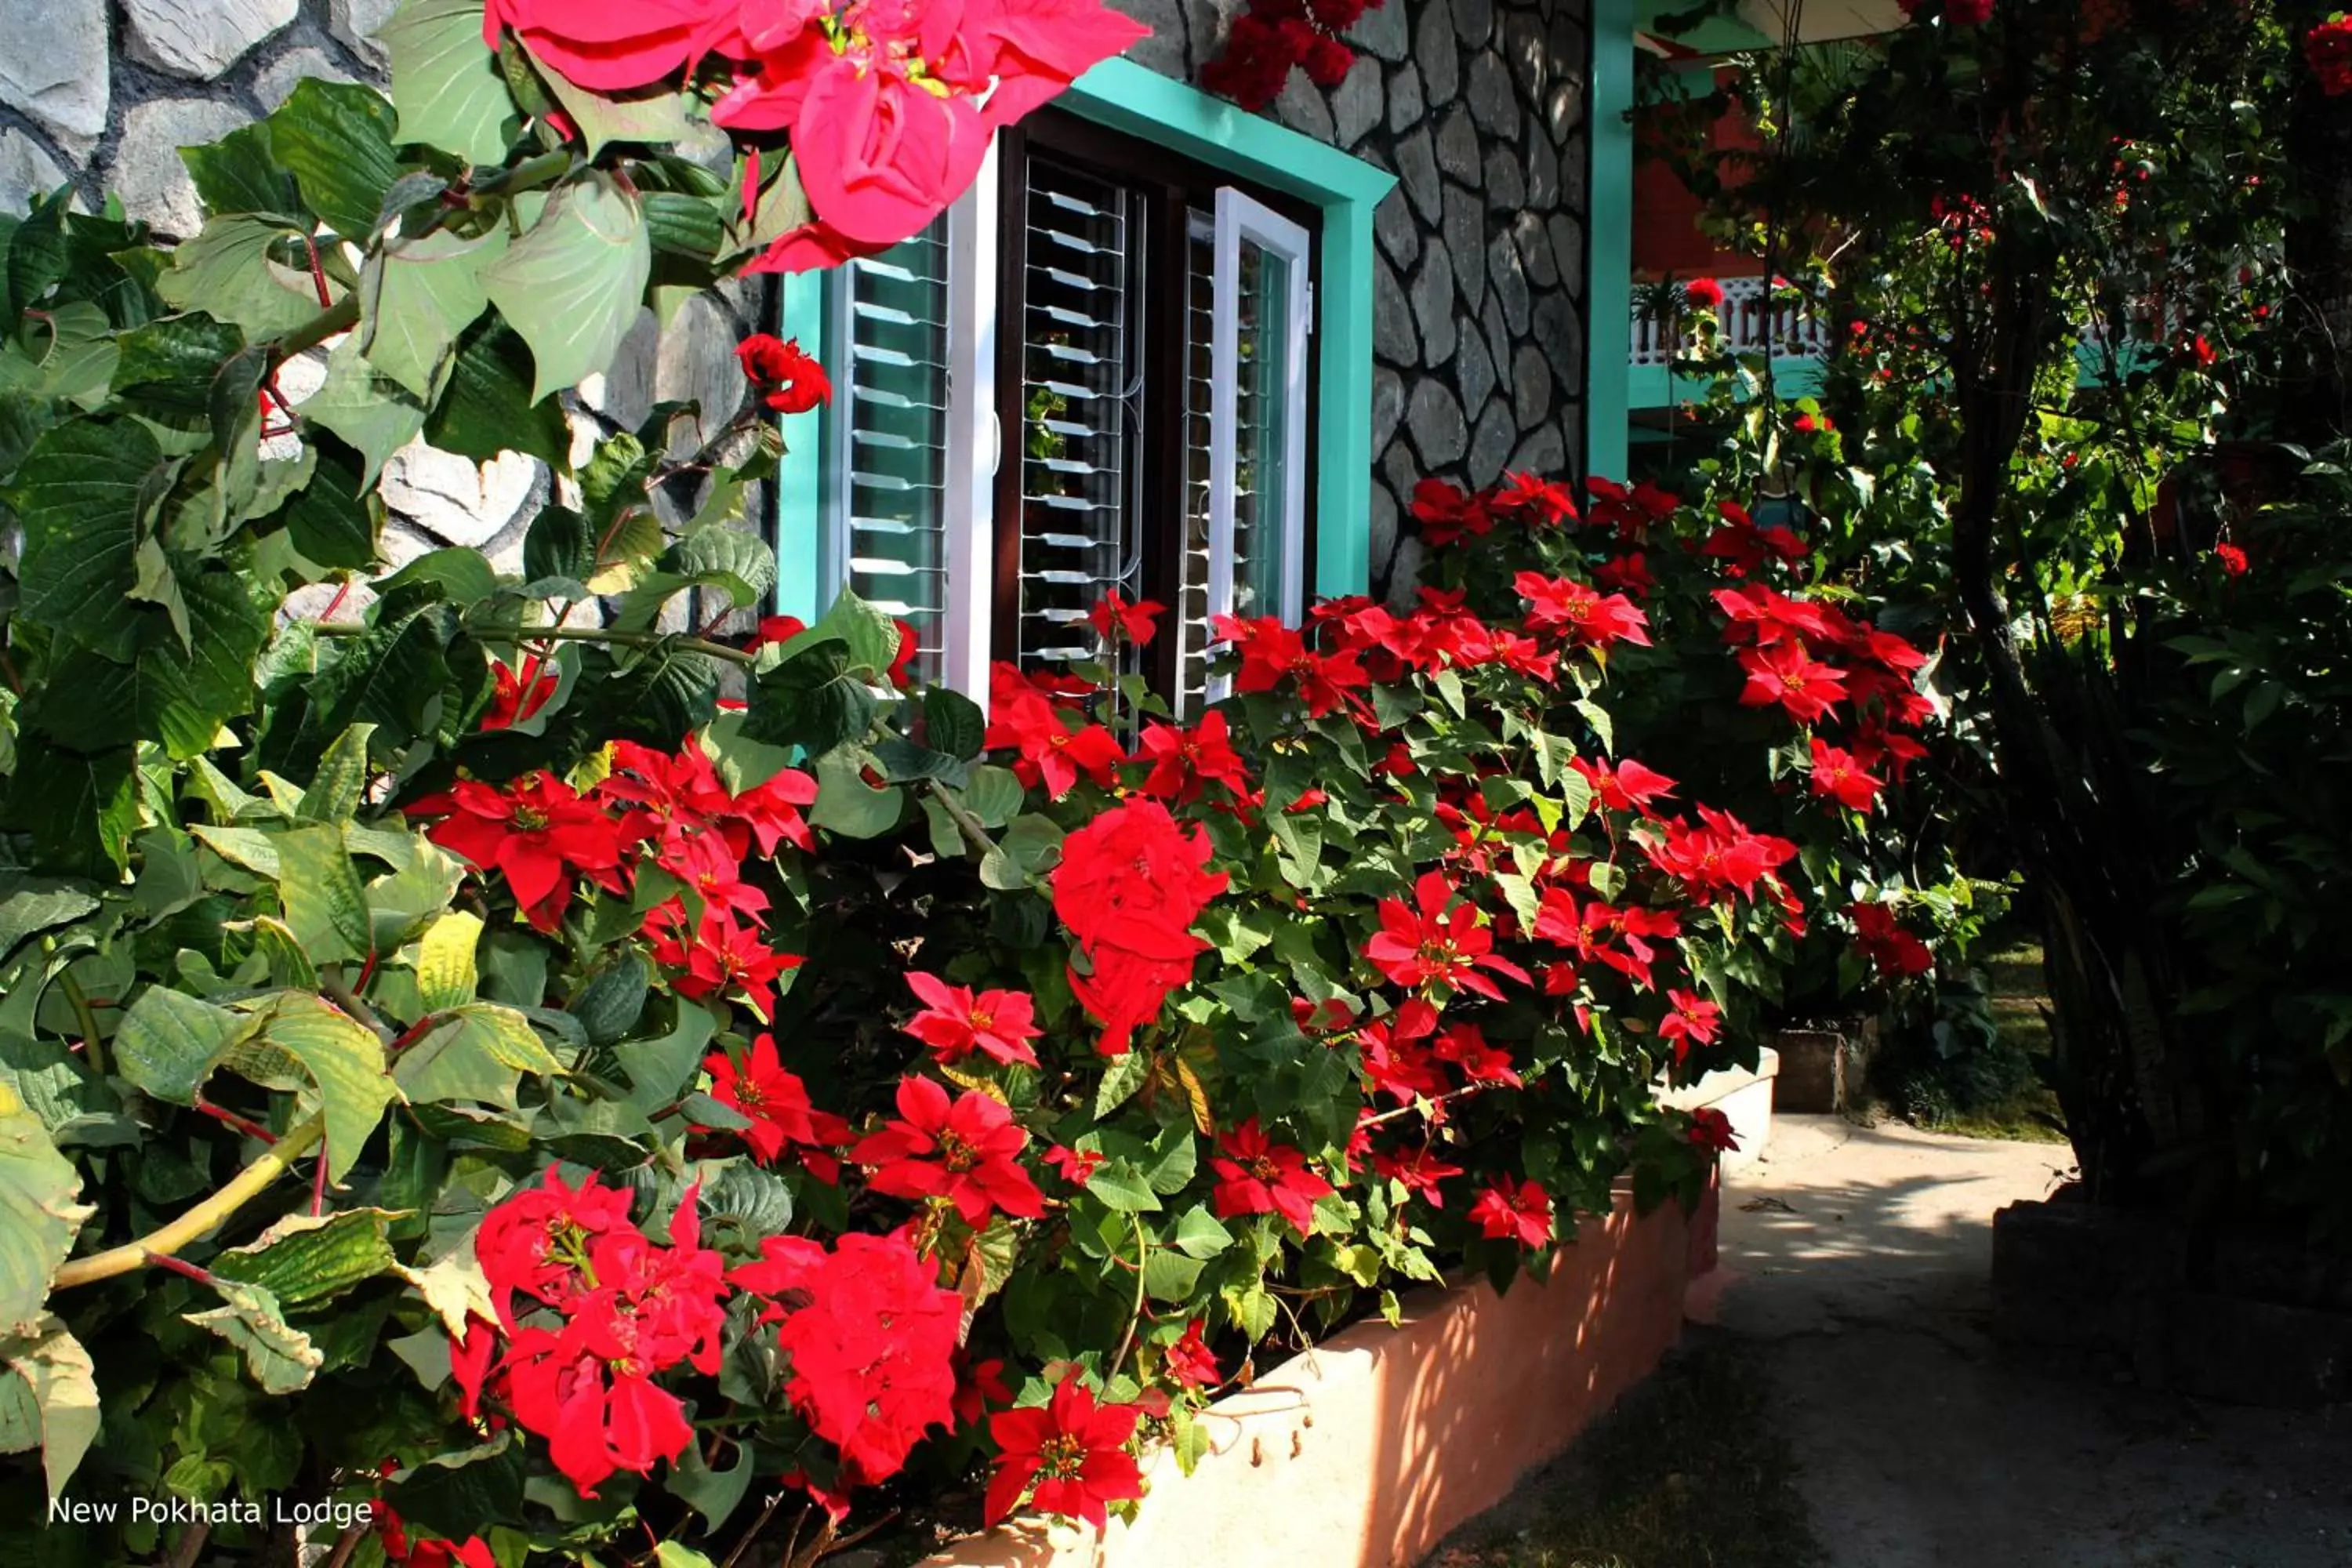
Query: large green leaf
[
  {"x": 416, "y": 297},
  {"x": 54, "y": 1405},
  {"x": 573, "y": 284},
  {"x": 227, "y": 272},
  {"x": 371, "y": 411},
  {"x": 80, "y": 810},
  {"x": 304, "y": 1259},
  {"x": 165, "y": 369},
  {"x": 82, "y": 491},
  {"x": 333, "y": 520},
  {"x": 344, "y": 1062},
  {"x": 168, "y": 1041},
  {"x": 31, "y": 905},
  {"x": 325, "y": 905},
  {"x": 38, "y": 1215},
  {"x": 177, "y": 696},
  {"x": 446, "y": 89},
  {"x": 278, "y": 1356},
  {"x": 336, "y": 138},
  {"x": 652, "y": 118},
  {"x": 479, "y": 1053},
  {"x": 341, "y": 784},
  {"x": 487, "y": 406},
  {"x": 241, "y": 173},
  {"x": 446, "y": 973},
  {"x": 660, "y": 1069},
  {"x": 813, "y": 700}
]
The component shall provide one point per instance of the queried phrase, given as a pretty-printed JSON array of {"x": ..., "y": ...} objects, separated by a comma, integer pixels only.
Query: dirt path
[{"x": 1857, "y": 1259}]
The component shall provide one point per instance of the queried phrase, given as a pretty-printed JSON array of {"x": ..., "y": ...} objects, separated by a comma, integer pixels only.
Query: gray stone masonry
[{"x": 1478, "y": 107}]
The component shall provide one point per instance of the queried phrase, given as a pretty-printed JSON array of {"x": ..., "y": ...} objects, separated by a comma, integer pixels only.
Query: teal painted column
[{"x": 1609, "y": 251}]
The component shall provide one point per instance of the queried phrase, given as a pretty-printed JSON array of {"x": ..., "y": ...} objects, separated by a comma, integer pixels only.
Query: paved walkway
[{"x": 1860, "y": 1256}]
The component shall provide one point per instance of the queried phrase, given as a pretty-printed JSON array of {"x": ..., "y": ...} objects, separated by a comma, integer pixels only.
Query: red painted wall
[{"x": 1667, "y": 239}]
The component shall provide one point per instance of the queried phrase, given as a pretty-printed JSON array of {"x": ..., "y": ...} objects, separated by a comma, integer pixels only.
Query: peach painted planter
[{"x": 1367, "y": 1450}]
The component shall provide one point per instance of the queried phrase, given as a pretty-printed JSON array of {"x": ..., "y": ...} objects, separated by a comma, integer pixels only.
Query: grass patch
[{"x": 1690, "y": 1471}]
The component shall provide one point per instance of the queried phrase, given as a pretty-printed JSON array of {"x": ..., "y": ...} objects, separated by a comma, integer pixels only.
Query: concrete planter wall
[{"x": 1369, "y": 1449}]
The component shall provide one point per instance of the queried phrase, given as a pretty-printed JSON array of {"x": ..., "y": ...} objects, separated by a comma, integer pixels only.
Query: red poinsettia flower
[
  {"x": 1115, "y": 621},
  {"x": 404, "y": 1550},
  {"x": 1583, "y": 614},
  {"x": 2327, "y": 50},
  {"x": 1183, "y": 759},
  {"x": 1805, "y": 688},
  {"x": 1692, "y": 1021},
  {"x": 777, "y": 1102},
  {"x": 1436, "y": 941},
  {"x": 1071, "y": 1450},
  {"x": 536, "y": 1239},
  {"x": 518, "y": 696},
  {"x": 611, "y": 46},
  {"x": 2233, "y": 559},
  {"x": 1130, "y": 884},
  {"x": 979, "y": 1386},
  {"x": 1076, "y": 1166},
  {"x": 1420, "y": 1171},
  {"x": 961, "y": 1151},
  {"x": 471, "y": 1355},
  {"x": 1190, "y": 1362},
  {"x": 785, "y": 378},
  {"x": 1258, "y": 1175},
  {"x": 1054, "y": 751},
  {"x": 955, "y": 1022},
  {"x": 1838, "y": 775},
  {"x": 726, "y": 956},
  {"x": 1514, "y": 1210},
  {"x": 1627, "y": 574},
  {"x": 537, "y": 830},
  {"x": 1546, "y": 502},
  {"x": 872, "y": 1339},
  {"x": 775, "y": 631},
  {"x": 1626, "y": 785},
  {"x": 1445, "y": 513},
  {"x": 1895, "y": 952},
  {"x": 1711, "y": 1129},
  {"x": 1703, "y": 294}
]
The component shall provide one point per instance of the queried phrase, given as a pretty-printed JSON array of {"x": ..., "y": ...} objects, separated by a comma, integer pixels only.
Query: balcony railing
[{"x": 1753, "y": 323}]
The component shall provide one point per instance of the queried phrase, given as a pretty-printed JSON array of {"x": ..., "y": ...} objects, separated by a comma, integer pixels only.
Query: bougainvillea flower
[
  {"x": 1183, "y": 759},
  {"x": 1115, "y": 621},
  {"x": 1436, "y": 941},
  {"x": 1805, "y": 688},
  {"x": 1582, "y": 613},
  {"x": 1837, "y": 775},
  {"x": 962, "y": 1150},
  {"x": 537, "y": 831},
  {"x": 1130, "y": 884},
  {"x": 1054, "y": 750},
  {"x": 518, "y": 697},
  {"x": 1190, "y": 1362},
  {"x": 1071, "y": 1450},
  {"x": 785, "y": 377},
  {"x": 535, "y": 1240},
  {"x": 612, "y": 45},
  {"x": 1692, "y": 1021},
  {"x": 955, "y": 1022},
  {"x": 1258, "y": 1175},
  {"x": 783, "y": 1116},
  {"x": 1514, "y": 1210}
]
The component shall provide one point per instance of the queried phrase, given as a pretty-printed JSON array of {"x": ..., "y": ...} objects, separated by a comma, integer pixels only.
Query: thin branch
[
  {"x": 249, "y": 1185},
  {"x": 526, "y": 636},
  {"x": 86, "y": 1018}
]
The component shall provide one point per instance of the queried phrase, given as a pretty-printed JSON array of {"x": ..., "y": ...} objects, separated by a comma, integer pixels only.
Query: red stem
[
  {"x": 231, "y": 1119},
  {"x": 181, "y": 1266}
]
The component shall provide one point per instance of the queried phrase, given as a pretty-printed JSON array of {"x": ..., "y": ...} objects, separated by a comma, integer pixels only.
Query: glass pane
[
  {"x": 1076, "y": 443},
  {"x": 893, "y": 450},
  {"x": 1260, "y": 484}
]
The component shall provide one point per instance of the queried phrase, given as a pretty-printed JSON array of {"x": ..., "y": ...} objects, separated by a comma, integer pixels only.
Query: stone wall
[{"x": 1478, "y": 106}]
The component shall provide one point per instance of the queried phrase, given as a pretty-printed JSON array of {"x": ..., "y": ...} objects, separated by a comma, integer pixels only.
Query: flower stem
[
  {"x": 86, "y": 1018},
  {"x": 1127, "y": 1340},
  {"x": 249, "y": 1185},
  {"x": 973, "y": 832}
]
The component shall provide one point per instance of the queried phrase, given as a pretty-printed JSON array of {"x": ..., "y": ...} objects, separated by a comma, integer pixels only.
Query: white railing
[{"x": 1752, "y": 321}]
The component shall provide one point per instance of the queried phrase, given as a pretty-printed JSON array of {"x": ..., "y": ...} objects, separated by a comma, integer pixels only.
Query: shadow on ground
[{"x": 1855, "y": 1264}]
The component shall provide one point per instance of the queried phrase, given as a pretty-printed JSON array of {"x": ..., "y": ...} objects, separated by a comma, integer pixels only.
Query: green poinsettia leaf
[
  {"x": 573, "y": 284},
  {"x": 336, "y": 138},
  {"x": 416, "y": 297},
  {"x": 48, "y": 1398},
  {"x": 278, "y": 1357},
  {"x": 313, "y": 1257},
  {"x": 448, "y": 89}
]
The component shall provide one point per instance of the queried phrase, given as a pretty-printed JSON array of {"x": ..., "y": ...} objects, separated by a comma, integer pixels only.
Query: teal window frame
[{"x": 1124, "y": 97}]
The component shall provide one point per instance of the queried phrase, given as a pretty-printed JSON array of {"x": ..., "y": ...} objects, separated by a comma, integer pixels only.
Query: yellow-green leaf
[
  {"x": 38, "y": 1215},
  {"x": 48, "y": 1398},
  {"x": 446, "y": 975}
]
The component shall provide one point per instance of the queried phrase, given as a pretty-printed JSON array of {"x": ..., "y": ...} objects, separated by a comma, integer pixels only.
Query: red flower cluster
[
  {"x": 1747, "y": 548},
  {"x": 1258, "y": 1175},
  {"x": 1703, "y": 294},
  {"x": 537, "y": 831},
  {"x": 1273, "y": 35},
  {"x": 1787, "y": 647},
  {"x": 618, "y": 1310},
  {"x": 1182, "y": 760},
  {"x": 786, "y": 378},
  {"x": 2327, "y": 50},
  {"x": 1273, "y": 653},
  {"x": 955, "y": 1022},
  {"x": 1898, "y": 953},
  {"x": 1406, "y": 1057},
  {"x": 783, "y": 1119},
  {"x": 1436, "y": 941},
  {"x": 1130, "y": 886},
  {"x": 891, "y": 104},
  {"x": 1719, "y": 855},
  {"x": 1581, "y": 614},
  {"x": 961, "y": 1151},
  {"x": 1054, "y": 745},
  {"x": 2233, "y": 559},
  {"x": 1115, "y": 621},
  {"x": 1514, "y": 1210},
  {"x": 871, "y": 1343},
  {"x": 1711, "y": 1129},
  {"x": 1070, "y": 1450}
]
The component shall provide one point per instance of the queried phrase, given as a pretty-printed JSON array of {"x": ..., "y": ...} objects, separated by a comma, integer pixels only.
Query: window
[{"x": 1092, "y": 375}]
